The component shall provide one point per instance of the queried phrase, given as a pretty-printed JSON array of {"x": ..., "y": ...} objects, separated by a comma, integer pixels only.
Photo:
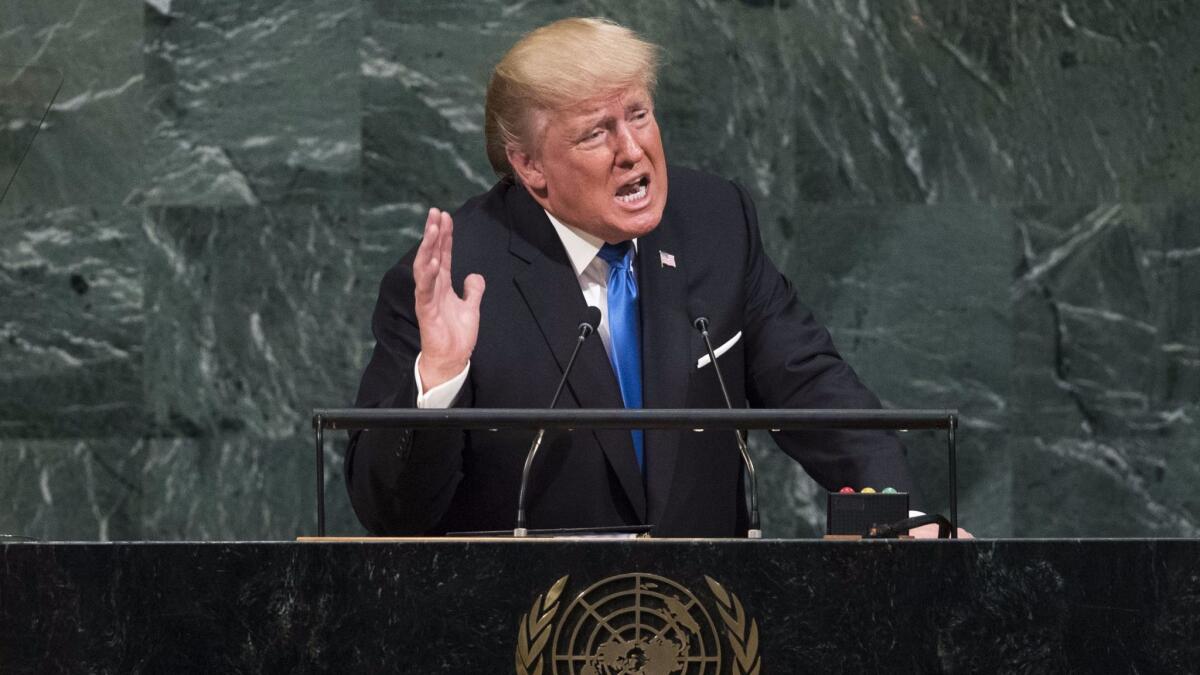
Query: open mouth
[{"x": 634, "y": 191}]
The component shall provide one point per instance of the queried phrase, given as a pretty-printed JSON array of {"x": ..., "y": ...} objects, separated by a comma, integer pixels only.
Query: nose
[{"x": 629, "y": 148}]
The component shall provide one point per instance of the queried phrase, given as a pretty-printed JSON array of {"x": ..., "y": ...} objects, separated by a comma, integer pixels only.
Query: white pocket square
[{"x": 704, "y": 360}]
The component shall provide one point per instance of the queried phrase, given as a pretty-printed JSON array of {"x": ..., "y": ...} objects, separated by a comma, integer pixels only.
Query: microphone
[
  {"x": 586, "y": 328},
  {"x": 755, "y": 532}
]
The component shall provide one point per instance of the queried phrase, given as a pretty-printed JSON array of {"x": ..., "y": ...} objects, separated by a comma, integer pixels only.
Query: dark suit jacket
[{"x": 404, "y": 481}]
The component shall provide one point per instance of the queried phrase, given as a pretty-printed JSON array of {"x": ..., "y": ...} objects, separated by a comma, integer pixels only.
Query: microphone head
[
  {"x": 701, "y": 323},
  {"x": 591, "y": 321}
]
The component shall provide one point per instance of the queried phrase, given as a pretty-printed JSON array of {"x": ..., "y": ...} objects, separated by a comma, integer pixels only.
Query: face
[{"x": 599, "y": 166}]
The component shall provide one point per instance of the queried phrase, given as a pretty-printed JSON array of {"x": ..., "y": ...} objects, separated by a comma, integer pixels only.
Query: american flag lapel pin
[{"x": 666, "y": 259}]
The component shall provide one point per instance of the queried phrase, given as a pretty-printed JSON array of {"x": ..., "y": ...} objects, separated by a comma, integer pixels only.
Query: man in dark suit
[{"x": 581, "y": 216}]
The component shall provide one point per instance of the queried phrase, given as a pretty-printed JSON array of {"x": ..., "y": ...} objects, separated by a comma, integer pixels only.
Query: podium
[
  {"x": 464, "y": 607},
  {"x": 596, "y": 606}
]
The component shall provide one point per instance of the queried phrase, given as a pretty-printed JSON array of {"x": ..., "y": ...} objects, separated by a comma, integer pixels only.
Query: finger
[
  {"x": 435, "y": 245},
  {"x": 425, "y": 262},
  {"x": 924, "y": 532},
  {"x": 473, "y": 288},
  {"x": 428, "y": 236},
  {"x": 446, "y": 227}
]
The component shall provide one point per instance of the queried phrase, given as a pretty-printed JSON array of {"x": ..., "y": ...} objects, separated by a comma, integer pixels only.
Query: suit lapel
[
  {"x": 666, "y": 371},
  {"x": 548, "y": 284}
]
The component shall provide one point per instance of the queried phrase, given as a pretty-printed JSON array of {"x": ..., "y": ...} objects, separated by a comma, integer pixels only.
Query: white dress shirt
[{"x": 592, "y": 273}]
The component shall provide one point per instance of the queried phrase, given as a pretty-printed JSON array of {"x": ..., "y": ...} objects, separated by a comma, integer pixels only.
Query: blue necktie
[{"x": 625, "y": 330}]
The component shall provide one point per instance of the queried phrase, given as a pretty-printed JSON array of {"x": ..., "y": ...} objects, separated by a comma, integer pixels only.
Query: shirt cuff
[
  {"x": 443, "y": 395},
  {"x": 914, "y": 514}
]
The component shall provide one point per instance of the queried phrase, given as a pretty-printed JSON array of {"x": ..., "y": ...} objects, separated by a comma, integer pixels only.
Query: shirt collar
[{"x": 581, "y": 246}]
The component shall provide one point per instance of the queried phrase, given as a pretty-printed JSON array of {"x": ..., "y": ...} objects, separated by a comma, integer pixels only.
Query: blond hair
[{"x": 555, "y": 67}]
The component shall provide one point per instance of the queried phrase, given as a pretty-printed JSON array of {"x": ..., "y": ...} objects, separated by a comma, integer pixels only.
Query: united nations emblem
[{"x": 636, "y": 624}]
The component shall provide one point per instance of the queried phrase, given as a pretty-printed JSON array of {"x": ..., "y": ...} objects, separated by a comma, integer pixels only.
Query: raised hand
[{"x": 449, "y": 324}]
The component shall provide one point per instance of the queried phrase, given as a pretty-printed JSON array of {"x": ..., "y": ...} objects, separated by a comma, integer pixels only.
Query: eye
[{"x": 592, "y": 136}]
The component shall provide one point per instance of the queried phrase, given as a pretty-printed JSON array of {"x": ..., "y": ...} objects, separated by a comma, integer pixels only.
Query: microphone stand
[
  {"x": 755, "y": 531},
  {"x": 585, "y": 329}
]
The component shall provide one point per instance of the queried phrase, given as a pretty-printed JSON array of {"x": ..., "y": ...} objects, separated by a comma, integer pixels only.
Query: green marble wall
[{"x": 992, "y": 205}]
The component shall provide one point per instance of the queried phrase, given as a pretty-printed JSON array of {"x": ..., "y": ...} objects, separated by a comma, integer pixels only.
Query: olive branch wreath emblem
[
  {"x": 742, "y": 638},
  {"x": 534, "y": 632}
]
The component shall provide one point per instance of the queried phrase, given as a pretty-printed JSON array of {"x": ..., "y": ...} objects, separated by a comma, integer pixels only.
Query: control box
[{"x": 855, "y": 513}]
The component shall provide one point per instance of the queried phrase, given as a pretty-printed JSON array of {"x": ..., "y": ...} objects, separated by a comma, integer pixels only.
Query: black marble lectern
[{"x": 593, "y": 607}]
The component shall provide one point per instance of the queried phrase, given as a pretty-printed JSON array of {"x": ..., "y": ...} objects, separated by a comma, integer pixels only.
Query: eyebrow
[
  {"x": 585, "y": 126},
  {"x": 593, "y": 119},
  {"x": 637, "y": 103},
  {"x": 599, "y": 117}
]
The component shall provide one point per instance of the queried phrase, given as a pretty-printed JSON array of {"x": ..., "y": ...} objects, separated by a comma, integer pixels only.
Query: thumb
[{"x": 473, "y": 287}]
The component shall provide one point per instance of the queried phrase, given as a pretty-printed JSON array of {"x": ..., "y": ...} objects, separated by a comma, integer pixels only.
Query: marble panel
[
  {"x": 894, "y": 149},
  {"x": 71, "y": 323},
  {"x": 844, "y": 102},
  {"x": 167, "y": 489},
  {"x": 256, "y": 315},
  {"x": 238, "y": 487},
  {"x": 252, "y": 102},
  {"x": 933, "y": 101},
  {"x": 1108, "y": 377},
  {"x": 916, "y": 301},
  {"x": 72, "y": 489},
  {"x": 425, "y": 71},
  {"x": 90, "y": 150},
  {"x": 25, "y": 101},
  {"x": 1103, "y": 95},
  {"x": 847, "y": 102}
]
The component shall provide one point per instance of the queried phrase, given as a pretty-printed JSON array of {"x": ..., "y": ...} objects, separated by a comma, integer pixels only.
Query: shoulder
[
  {"x": 698, "y": 195},
  {"x": 483, "y": 229},
  {"x": 703, "y": 185},
  {"x": 480, "y": 225},
  {"x": 715, "y": 212},
  {"x": 696, "y": 179},
  {"x": 488, "y": 209}
]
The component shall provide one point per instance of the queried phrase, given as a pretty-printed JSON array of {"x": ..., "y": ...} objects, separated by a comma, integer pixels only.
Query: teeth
[{"x": 633, "y": 196}]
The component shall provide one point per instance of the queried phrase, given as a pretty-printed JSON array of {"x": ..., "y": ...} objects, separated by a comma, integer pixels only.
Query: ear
[{"x": 527, "y": 168}]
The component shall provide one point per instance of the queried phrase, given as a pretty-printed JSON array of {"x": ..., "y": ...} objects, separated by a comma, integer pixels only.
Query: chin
[{"x": 634, "y": 228}]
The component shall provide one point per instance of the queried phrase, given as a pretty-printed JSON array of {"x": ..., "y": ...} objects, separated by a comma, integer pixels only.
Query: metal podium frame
[{"x": 645, "y": 418}]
